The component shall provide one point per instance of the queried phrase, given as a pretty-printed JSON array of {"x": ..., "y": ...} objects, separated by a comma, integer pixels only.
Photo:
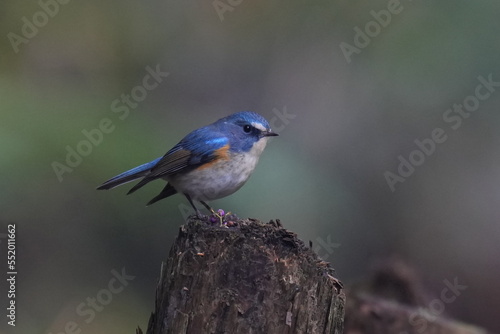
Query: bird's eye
[{"x": 247, "y": 128}]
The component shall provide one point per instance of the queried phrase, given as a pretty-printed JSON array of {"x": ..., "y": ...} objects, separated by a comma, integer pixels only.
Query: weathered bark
[{"x": 251, "y": 277}]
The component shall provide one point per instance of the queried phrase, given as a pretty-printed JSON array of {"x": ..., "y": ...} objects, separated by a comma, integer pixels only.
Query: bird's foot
[{"x": 200, "y": 215}]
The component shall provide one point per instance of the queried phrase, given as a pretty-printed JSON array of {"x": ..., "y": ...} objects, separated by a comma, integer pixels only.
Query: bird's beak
[{"x": 268, "y": 134}]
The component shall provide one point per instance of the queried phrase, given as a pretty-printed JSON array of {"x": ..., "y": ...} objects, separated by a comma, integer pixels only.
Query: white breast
[{"x": 221, "y": 179}]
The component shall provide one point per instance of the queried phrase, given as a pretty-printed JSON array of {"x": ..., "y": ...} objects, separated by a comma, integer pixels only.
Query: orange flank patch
[{"x": 220, "y": 154}]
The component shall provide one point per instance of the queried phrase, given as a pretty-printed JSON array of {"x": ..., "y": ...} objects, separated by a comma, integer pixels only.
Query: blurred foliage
[{"x": 323, "y": 177}]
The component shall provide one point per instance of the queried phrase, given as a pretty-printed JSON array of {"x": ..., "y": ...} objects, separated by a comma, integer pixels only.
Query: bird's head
[{"x": 246, "y": 130}]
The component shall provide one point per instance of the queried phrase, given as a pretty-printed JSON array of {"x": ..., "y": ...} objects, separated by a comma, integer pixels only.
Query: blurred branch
[{"x": 393, "y": 301}]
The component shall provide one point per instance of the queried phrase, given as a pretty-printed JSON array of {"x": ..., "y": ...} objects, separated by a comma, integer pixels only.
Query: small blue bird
[{"x": 209, "y": 163}]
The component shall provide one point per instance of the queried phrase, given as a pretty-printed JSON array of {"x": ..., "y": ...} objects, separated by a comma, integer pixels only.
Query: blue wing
[{"x": 196, "y": 149}]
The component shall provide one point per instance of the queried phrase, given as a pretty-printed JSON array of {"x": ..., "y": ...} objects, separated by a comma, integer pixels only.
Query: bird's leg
[
  {"x": 208, "y": 208},
  {"x": 198, "y": 213}
]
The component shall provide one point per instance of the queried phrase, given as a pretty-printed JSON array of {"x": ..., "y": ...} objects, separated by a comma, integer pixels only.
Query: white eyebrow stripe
[{"x": 259, "y": 126}]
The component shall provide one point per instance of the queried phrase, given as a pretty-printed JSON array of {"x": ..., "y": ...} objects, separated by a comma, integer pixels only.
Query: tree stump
[{"x": 250, "y": 277}]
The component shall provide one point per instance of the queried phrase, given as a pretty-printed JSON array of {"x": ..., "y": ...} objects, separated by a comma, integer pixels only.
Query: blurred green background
[{"x": 346, "y": 125}]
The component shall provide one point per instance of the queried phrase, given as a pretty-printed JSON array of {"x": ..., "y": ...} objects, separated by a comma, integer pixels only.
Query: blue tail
[{"x": 129, "y": 175}]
